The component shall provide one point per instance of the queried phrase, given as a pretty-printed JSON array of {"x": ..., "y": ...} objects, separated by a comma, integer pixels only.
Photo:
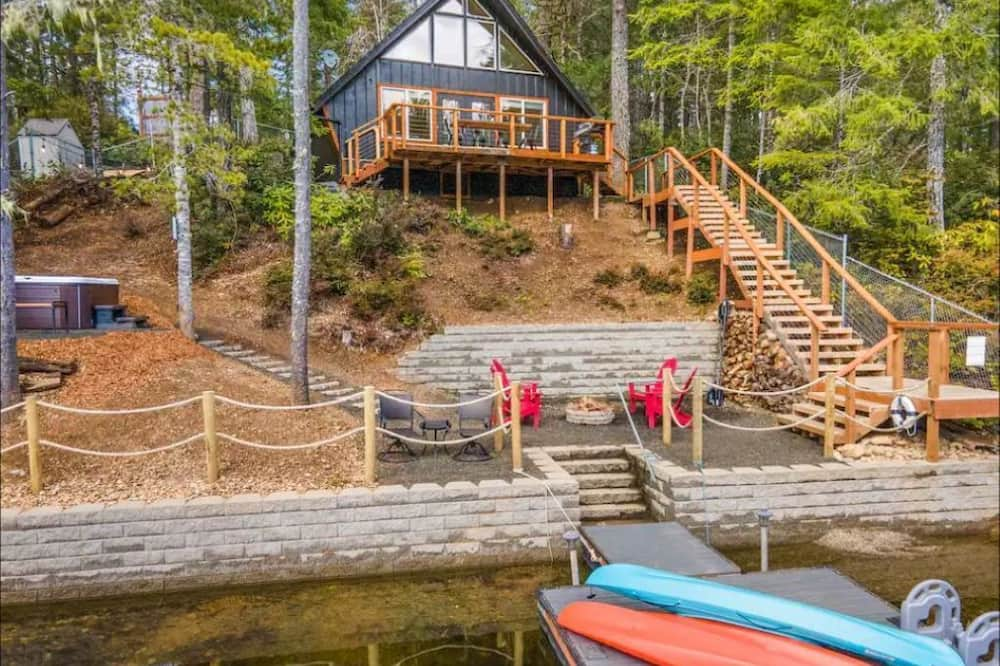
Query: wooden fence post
[
  {"x": 829, "y": 421},
  {"x": 667, "y": 417},
  {"x": 498, "y": 406},
  {"x": 34, "y": 455},
  {"x": 937, "y": 373},
  {"x": 696, "y": 421},
  {"x": 515, "y": 425},
  {"x": 211, "y": 441},
  {"x": 369, "y": 405}
]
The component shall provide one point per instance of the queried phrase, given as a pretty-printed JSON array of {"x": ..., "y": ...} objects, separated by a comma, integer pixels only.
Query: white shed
[{"x": 48, "y": 144}]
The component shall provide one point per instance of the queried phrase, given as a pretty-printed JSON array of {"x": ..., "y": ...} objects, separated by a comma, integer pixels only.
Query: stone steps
[
  {"x": 612, "y": 511},
  {"x": 595, "y": 466},
  {"x": 592, "y": 496},
  {"x": 605, "y": 480},
  {"x": 279, "y": 369},
  {"x": 560, "y": 453}
]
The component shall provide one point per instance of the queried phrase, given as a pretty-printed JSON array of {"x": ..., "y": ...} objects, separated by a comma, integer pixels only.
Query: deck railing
[{"x": 416, "y": 127}]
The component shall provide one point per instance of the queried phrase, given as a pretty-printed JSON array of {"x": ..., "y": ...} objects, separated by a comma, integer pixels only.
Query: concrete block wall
[
  {"x": 129, "y": 547},
  {"x": 930, "y": 494}
]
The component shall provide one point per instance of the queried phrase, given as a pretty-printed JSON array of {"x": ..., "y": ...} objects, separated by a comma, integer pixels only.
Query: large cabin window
[
  {"x": 448, "y": 40},
  {"x": 414, "y": 45},
  {"x": 531, "y": 131},
  {"x": 481, "y": 44},
  {"x": 418, "y": 120},
  {"x": 512, "y": 58}
]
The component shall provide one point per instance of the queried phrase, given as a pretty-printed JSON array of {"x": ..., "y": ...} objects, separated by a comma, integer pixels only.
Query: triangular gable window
[
  {"x": 476, "y": 9},
  {"x": 414, "y": 45},
  {"x": 512, "y": 58}
]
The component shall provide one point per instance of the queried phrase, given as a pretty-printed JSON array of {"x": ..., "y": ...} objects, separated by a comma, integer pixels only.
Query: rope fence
[
  {"x": 828, "y": 415},
  {"x": 506, "y": 403}
]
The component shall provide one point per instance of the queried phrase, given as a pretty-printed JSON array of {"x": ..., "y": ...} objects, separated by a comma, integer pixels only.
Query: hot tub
[{"x": 80, "y": 294}]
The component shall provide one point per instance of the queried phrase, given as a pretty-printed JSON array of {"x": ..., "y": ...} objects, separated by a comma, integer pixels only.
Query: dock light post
[
  {"x": 764, "y": 518},
  {"x": 572, "y": 537}
]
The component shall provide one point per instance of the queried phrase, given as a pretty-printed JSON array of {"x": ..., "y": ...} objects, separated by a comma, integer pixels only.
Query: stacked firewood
[{"x": 761, "y": 366}]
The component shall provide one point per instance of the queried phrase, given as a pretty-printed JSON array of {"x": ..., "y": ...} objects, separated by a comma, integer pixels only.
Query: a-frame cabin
[{"x": 463, "y": 92}]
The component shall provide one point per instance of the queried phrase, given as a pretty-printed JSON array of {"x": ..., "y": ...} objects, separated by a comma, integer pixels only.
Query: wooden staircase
[{"x": 806, "y": 323}]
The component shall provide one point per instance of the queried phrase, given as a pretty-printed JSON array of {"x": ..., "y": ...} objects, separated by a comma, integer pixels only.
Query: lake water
[
  {"x": 467, "y": 619},
  {"x": 470, "y": 619}
]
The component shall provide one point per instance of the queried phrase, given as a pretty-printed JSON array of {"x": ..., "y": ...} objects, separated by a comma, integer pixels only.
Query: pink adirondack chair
[
  {"x": 531, "y": 396},
  {"x": 654, "y": 403},
  {"x": 637, "y": 397}
]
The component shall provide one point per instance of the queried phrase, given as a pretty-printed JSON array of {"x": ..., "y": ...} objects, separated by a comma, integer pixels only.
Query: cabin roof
[
  {"x": 503, "y": 11},
  {"x": 43, "y": 126}
]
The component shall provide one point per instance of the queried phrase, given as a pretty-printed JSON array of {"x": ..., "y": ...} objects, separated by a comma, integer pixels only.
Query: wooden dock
[{"x": 669, "y": 546}]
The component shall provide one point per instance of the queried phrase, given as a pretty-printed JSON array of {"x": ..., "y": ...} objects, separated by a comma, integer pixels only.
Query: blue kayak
[{"x": 697, "y": 597}]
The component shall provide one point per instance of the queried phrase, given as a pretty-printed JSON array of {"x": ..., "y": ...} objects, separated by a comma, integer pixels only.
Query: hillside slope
[{"x": 132, "y": 243}]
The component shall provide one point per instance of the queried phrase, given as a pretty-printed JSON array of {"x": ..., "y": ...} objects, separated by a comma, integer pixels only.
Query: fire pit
[{"x": 589, "y": 411}]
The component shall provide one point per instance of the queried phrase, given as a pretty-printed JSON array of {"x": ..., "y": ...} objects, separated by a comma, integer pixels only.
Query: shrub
[
  {"x": 609, "y": 277},
  {"x": 638, "y": 271},
  {"x": 497, "y": 238},
  {"x": 702, "y": 289},
  {"x": 486, "y": 301},
  {"x": 610, "y": 302},
  {"x": 660, "y": 283}
]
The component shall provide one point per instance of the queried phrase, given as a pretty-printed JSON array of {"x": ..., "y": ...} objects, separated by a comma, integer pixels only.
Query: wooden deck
[
  {"x": 671, "y": 547},
  {"x": 668, "y": 546},
  {"x": 820, "y": 586},
  {"x": 953, "y": 402}
]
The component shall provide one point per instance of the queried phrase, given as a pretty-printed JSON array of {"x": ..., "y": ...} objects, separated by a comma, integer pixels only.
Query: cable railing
[{"x": 412, "y": 128}]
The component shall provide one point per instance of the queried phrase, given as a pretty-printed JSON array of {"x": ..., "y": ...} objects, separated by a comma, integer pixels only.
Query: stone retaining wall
[
  {"x": 129, "y": 547},
  {"x": 809, "y": 497}
]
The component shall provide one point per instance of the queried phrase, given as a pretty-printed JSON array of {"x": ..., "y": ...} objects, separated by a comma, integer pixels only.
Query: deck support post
[
  {"x": 458, "y": 186},
  {"x": 670, "y": 228},
  {"x": 550, "y": 183},
  {"x": 597, "y": 194},
  {"x": 937, "y": 373},
  {"x": 829, "y": 421},
  {"x": 692, "y": 218},
  {"x": 406, "y": 179},
  {"x": 503, "y": 191},
  {"x": 850, "y": 407}
]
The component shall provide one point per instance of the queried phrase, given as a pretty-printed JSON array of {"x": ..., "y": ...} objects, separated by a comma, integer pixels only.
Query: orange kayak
[{"x": 664, "y": 639}]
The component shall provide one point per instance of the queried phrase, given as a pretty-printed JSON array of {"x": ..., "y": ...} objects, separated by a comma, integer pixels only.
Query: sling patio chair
[
  {"x": 637, "y": 397},
  {"x": 473, "y": 419},
  {"x": 654, "y": 403},
  {"x": 531, "y": 397},
  {"x": 397, "y": 415}
]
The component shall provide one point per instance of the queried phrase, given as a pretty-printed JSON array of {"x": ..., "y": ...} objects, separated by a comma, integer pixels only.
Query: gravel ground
[{"x": 722, "y": 447}]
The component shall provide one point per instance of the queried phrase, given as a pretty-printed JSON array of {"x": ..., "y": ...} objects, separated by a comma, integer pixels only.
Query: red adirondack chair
[
  {"x": 654, "y": 403},
  {"x": 531, "y": 397},
  {"x": 636, "y": 397}
]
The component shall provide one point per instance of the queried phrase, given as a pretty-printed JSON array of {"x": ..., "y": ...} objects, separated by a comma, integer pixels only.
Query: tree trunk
[
  {"x": 727, "y": 111},
  {"x": 761, "y": 143},
  {"x": 619, "y": 83},
  {"x": 10, "y": 392},
  {"x": 94, "y": 103},
  {"x": 248, "y": 111},
  {"x": 303, "y": 221},
  {"x": 182, "y": 204},
  {"x": 935, "y": 128}
]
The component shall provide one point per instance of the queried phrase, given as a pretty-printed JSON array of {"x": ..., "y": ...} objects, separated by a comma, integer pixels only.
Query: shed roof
[
  {"x": 44, "y": 126},
  {"x": 503, "y": 11}
]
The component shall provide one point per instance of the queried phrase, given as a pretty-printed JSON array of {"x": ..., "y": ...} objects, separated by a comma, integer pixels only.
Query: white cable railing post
[{"x": 34, "y": 455}]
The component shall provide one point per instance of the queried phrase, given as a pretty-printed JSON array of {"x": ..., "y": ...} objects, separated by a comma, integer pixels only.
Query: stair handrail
[
  {"x": 801, "y": 228},
  {"x": 867, "y": 355},
  {"x": 696, "y": 176}
]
